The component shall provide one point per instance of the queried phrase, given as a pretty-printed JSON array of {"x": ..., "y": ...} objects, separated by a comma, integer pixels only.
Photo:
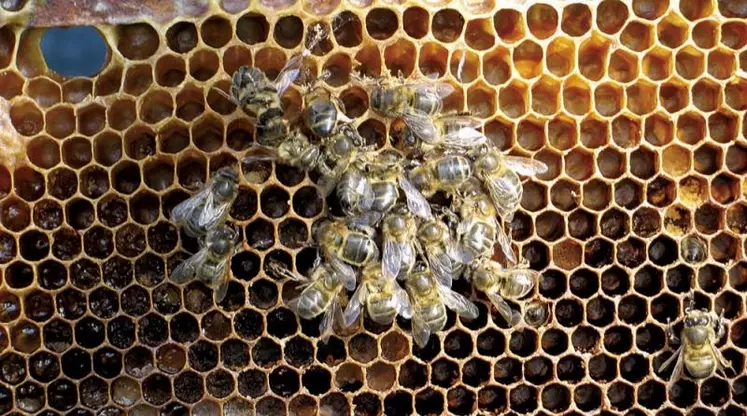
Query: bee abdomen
[
  {"x": 385, "y": 196},
  {"x": 358, "y": 249},
  {"x": 480, "y": 239},
  {"x": 453, "y": 170},
  {"x": 321, "y": 118},
  {"x": 270, "y": 127}
]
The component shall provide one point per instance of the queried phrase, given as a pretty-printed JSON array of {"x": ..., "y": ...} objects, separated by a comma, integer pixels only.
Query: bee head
[{"x": 222, "y": 239}]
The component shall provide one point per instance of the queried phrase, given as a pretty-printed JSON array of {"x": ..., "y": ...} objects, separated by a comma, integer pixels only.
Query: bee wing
[
  {"x": 461, "y": 120},
  {"x": 723, "y": 363},
  {"x": 421, "y": 332},
  {"x": 369, "y": 219},
  {"x": 511, "y": 316},
  {"x": 500, "y": 191},
  {"x": 354, "y": 306},
  {"x": 182, "y": 211},
  {"x": 505, "y": 243},
  {"x": 458, "y": 253},
  {"x": 326, "y": 327},
  {"x": 440, "y": 89},
  {"x": 464, "y": 137},
  {"x": 402, "y": 302},
  {"x": 391, "y": 259},
  {"x": 416, "y": 202},
  {"x": 212, "y": 213},
  {"x": 344, "y": 272},
  {"x": 260, "y": 154},
  {"x": 421, "y": 125},
  {"x": 288, "y": 74},
  {"x": 328, "y": 183},
  {"x": 187, "y": 269},
  {"x": 221, "y": 290},
  {"x": 441, "y": 266},
  {"x": 458, "y": 303},
  {"x": 524, "y": 165}
]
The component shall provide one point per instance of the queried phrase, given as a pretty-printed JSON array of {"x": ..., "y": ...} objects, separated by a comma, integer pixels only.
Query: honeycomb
[{"x": 637, "y": 107}]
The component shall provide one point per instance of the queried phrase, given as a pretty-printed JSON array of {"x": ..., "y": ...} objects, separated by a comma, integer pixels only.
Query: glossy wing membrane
[
  {"x": 505, "y": 243},
  {"x": 186, "y": 270},
  {"x": 421, "y": 332},
  {"x": 677, "y": 358},
  {"x": 403, "y": 306},
  {"x": 441, "y": 266},
  {"x": 524, "y": 166},
  {"x": 353, "y": 310},
  {"x": 332, "y": 313},
  {"x": 391, "y": 259},
  {"x": 344, "y": 272},
  {"x": 421, "y": 125},
  {"x": 181, "y": 212},
  {"x": 511, "y": 316},
  {"x": 458, "y": 303},
  {"x": 416, "y": 202}
]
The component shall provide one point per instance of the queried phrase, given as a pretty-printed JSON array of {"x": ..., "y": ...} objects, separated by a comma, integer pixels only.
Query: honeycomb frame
[{"x": 637, "y": 107}]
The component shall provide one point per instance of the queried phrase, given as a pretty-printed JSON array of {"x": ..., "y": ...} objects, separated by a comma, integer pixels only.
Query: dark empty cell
[
  {"x": 188, "y": 387},
  {"x": 317, "y": 380},
  {"x": 94, "y": 182},
  {"x": 458, "y": 344},
  {"x": 552, "y": 284},
  {"x": 29, "y": 184},
  {"x": 44, "y": 366},
  {"x": 98, "y": 242},
  {"x": 252, "y": 28},
  {"x": 447, "y": 25},
  {"x": 602, "y": 368},
  {"x": 89, "y": 332},
  {"x": 523, "y": 343},
  {"x": 245, "y": 204},
  {"x": 631, "y": 252},
  {"x": 163, "y": 237},
  {"x": 569, "y": 313},
  {"x": 663, "y": 251},
  {"x": 182, "y": 37},
  {"x": 47, "y": 215},
  {"x": 203, "y": 356},
  {"x": 523, "y": 398},
  {"x": 648, "y": 281},
  {"x": 34, "y": 245},
  {"x": 293, "y": 233},
  {"x": 260, "y": 234},
  {"x": 398, "y": 403},
  {"x": 665, "y": 308},
  {"x": 71, "y": 303},
  {"x": 381, "y": 23},
  {"x": 80, "y": 214},
  {"x": 332, "y": 352},
  {"x": 12, "y": 368},
  {"x": 16, "y": 215},
  {"x": 121, "y": 332},
  {"x": 290, "y": 176},
  {"x": 57, "y": 335},
  {"x": 620, "y": 395},
  {"x": 537, "y": 254},
  {"x": 51, "y": 275},
  {"x": 632, "y": 309},
  {"x": 661, "y": 192},
  {"x": 153, "y": 330},
  {"x": 587, "y": 397},
  {"x": 491, "y": 343},
  {"x": 245, "y": 265},
  {"x": 428, "y": 402},
  {"x": 117, "y": 272},
  {"x": 429, "y": 352},
  {"x": 299, "y": 352},
  {"x": 19, "y": 275},
  {"x": 66, "y": 244},
  {"x": 220, "y": 383},
  {"x": 538, "y": 370},
  {"x": 184, "y": 328},
  {"x": 126, "y": 177},
  {"x": 130, "y": 240},
  {"x": 104, "y": 302},
  {"x": 275, "y": 202},
  {"x": 107, "y": 362},
  {"x": 263, "y": 294},
  {"x": 284, "y": 381},
  {"x": 633, "y": 367},
  {"x": 167, "y": 299},
  {"x": 234, "y": 354},
  {"x": 628, "y": 193},
  {"x": 144, "y": 207},
  {"x": 614, "y": 224},
  {"x": 198, "y": 298},
  {"x": 646, "y": 222},
  {"x": 581, "y": 224},
  {"x": 288, "y": 31},
  {"x": 650, "y": 338},
  {"x": 554, "y": 341},
  {"x": 460, "y": 400},
  {"x": 556, "y": 397},
  {"x": 62, "y": 394},
  {"x": 307, "y": 202},
  {"x": 156, "y": 389},
  {"x": 62, "y": 183},
  {"x": 711, "y": 278},
  {"x": 135, "y": 301},
  {"x": 266, "y": 352},
  {"x": 76, "y": 363},
  {"x": 571, "y": 368},
  {"x": 584, "y": 282},
  {"x": 281, "y": 323},
  {"x": 600, "y": 311},
  {"x": 715, "y": 392},
  {"x": 413, "y": 375},
  {"x": 707, "y": 219}
]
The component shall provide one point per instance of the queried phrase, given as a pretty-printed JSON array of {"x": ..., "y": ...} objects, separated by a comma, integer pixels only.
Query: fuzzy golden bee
[
  {"x": 355, "y": 246},
  {"x": 383, "y": 298},
  {"x": 697, "y": 355},
  {"x": 489, "y": 277}
]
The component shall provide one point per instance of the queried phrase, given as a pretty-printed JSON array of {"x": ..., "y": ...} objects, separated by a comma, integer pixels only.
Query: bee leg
[
  {"x": 673, "y": 338},
  {"x": 721, "y": 325}
]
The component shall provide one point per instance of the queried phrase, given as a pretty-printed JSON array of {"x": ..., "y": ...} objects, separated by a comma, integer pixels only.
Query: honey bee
[
  {"x": 454, "y": 132},
  {"x": 479, "y": 229},
  {"x": 252, "y": 90},
  {"x": 322, "y": 111},
  {"x": 339, "y": 243},
  {"x": 210, "y": 265},
  {"x": 429, "y": 300},
  {"x": 384, "y": 299},
  {"x": 500, "y": 175},
  {"x": 372, "y": 188},
  {"x": 321, "y": 292},
  {"x": 498, "y": 283},
  {"x": 440, "y": 173},
  {"x": 693, "y": 250},
  {"x": 210, "y": 206},
  {"x": 399, "y": 230},
  {"x": 697, "y": 354},
  {"x": 435, "y": 243},
  {"x": 537, "y": 314},
  {"x": 415, "y": 102}
]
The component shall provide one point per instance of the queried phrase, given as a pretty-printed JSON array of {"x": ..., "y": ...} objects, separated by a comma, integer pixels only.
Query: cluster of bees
[{"x": 414, "y": 221}]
